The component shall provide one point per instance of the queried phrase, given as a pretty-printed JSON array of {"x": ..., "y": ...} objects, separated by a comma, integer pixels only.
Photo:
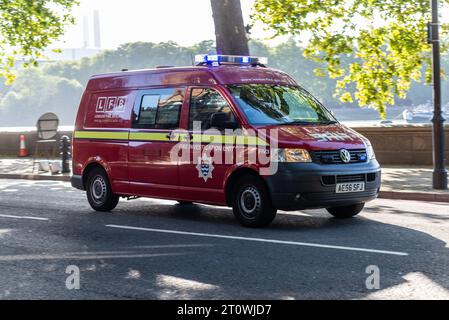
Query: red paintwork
[
  {"x": 152, "y": 159},
  {"x": 144, "y": 168},
  {"x": 301, "y": 137}
]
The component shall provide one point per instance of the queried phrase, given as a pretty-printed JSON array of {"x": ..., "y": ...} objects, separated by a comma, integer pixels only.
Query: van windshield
[{"x": 265, "y": 104}]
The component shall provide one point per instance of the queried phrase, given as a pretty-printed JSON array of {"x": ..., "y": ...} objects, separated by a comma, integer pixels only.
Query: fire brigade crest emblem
[{"x": 205, "y": 168}]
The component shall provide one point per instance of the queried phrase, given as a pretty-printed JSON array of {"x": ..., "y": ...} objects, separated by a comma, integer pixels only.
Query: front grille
[
  {"x": 351, "y": 178},
  {"x": 333, "y": 156},
  {"x": 331, "y": 180},
  {"x": 329, "y": 196}
]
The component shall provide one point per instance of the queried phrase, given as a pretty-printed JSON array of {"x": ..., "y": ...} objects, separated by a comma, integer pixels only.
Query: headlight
[
  {"x": 370, "y": 151},
  {"x": 294, "y": 155}
]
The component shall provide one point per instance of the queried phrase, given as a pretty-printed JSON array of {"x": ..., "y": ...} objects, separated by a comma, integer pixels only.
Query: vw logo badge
[{"x": 345, "y": 156}]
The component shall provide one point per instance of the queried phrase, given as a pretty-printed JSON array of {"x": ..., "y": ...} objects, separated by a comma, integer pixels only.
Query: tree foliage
[
  {"x": 27, "y": 27},
  {"x": 387, "y": 40},
  {"x": 24, "y": 97},
  {"x": 34, "y": 93},
  {"x": 132, "y": 56},
  {"x": 58, "y": 86}
]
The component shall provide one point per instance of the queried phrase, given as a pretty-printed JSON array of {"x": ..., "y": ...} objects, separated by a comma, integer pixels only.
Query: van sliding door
[{"x": 156, "y": 116}]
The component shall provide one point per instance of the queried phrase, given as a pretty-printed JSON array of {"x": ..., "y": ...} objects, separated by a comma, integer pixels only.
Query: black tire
[
  {"x": 185, "y": 203},
  {"x": 251, "y": 203},
  {"x": 346, "y": 212},
  {"x": 99, "y": 191}
]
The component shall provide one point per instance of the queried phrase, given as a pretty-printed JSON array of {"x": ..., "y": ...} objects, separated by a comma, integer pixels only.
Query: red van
[{"x": 228, "y": 132}]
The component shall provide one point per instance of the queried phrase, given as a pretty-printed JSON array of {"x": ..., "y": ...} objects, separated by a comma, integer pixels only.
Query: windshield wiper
[
  {"x": 296, "y": 122},
  {"x": 328, "y": 122},
  {"x": 310, "y": 122}
]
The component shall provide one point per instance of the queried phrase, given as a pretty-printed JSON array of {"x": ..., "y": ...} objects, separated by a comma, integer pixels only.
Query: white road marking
[
  {"x": 91, "y": 256},
  {"x": 182, "y": 284},
  {"x": 305, "y": 244},
  {"x": 22, "y": 217},
  {"x": 4, "y": 231}
]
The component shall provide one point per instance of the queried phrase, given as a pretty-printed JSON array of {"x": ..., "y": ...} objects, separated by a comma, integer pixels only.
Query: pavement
[
  {"x": 402, "y": 183},
  {"x": 410, "y": 183},
  {"x": 22, "y": 168},
  {"x": 154, "y": 249}
]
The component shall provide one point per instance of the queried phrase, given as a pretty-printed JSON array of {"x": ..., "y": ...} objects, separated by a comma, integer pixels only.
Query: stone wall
[
  {"x": 9, "y": 143},
  {"x": 403, "y": 145},
  {"x": 411, "y": 145}
]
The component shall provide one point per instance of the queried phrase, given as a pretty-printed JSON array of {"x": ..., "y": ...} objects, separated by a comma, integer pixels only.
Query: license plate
[{"x": 350, "y": 187}]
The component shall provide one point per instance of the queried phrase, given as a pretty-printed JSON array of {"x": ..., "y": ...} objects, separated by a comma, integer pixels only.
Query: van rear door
[{"x": 101, "y": 134}]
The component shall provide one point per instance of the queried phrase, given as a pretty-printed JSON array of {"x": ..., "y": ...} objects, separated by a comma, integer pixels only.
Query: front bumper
[{"x": 316, "y": 189}]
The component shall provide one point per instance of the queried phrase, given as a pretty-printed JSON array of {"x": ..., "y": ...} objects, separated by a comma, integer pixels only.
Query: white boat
[{"x": 423, "y": 113}]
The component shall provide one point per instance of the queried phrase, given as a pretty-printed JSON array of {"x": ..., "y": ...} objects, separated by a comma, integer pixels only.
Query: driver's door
[{"x": 200, "y": 178}]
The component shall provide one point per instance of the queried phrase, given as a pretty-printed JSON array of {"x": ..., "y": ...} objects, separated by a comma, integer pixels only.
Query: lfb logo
[
  {"x": 205, "y": 168},
  {"x": 111, "y": 104}
]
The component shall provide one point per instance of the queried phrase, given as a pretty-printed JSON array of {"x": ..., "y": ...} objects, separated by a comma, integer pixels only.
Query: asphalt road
[{"x": 152, "y": 249}]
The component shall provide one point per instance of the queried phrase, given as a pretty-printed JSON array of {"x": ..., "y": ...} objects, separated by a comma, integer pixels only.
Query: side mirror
[{"x": 220, "y": 120}]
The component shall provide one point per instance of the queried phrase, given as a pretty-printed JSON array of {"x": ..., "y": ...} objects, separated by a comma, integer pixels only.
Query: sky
[{"x": 184, "y": 21}]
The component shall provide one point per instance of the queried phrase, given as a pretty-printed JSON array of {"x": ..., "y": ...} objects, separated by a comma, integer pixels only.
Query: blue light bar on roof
[{"x": 217, "y": 59}]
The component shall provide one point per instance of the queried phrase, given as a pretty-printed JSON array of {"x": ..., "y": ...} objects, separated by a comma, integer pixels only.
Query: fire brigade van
[{"x": 228, "y": 132}]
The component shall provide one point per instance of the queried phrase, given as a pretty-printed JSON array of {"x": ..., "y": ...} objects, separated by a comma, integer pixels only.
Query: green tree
[
  {"x": 34, "y": 93},
  {"x": 27, "y": 27},
  {"x": 385, "y": 38},
  {"x": 136, "y": 55},
  {"x": 58, "y": 86}
]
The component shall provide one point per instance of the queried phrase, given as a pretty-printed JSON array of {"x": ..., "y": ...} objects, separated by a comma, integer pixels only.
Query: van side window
[
  {"x": 148, "y": 110},
  {"x": 204, "y": 102},
  {"x": 160, "y": 110},
  {"x": 169, "y": 110}
]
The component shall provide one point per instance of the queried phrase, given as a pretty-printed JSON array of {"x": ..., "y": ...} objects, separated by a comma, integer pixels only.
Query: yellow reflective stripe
[
  {"x": 205, "y": 138},
  {"x": 180, "y": 137},
  {"x": 152, "y": 136},
  {"x": 224, "y": 139},
  {"x": 106, "y": 135},
  {"x": 250, "y": 141},
  {"x": 164, "y": 136}
]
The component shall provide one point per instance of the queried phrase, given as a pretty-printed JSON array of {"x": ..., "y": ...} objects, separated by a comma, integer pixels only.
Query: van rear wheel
[
  {"x": 99, "y": 191},
  {"x": 346, "y": 212},
  {"x": 252, "y": 204}
]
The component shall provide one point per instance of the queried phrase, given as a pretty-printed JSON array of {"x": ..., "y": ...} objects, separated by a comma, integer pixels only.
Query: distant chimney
[
  {"x": 97, "y": 32},
  {"x": 85, "y": 32}
]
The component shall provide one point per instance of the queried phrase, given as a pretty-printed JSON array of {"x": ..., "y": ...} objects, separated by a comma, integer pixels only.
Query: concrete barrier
[
  {"x": 9, "y": 143},
  {"x": 410, "y": 145},
  {"x": 407, "y": 145}
]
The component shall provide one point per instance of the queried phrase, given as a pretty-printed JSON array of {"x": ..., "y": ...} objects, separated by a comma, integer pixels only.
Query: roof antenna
[{"x": 192, "y": 59}]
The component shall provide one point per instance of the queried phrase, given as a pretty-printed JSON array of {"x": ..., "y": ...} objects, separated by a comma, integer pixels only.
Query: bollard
[{"x": 65, "y": 154}]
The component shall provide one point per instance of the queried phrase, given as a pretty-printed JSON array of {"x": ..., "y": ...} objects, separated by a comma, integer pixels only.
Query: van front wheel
[
  {"x": 99, "y": 191},
  {"x": 346, "y": 212},
  {"x": 251, "y": 204}
]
